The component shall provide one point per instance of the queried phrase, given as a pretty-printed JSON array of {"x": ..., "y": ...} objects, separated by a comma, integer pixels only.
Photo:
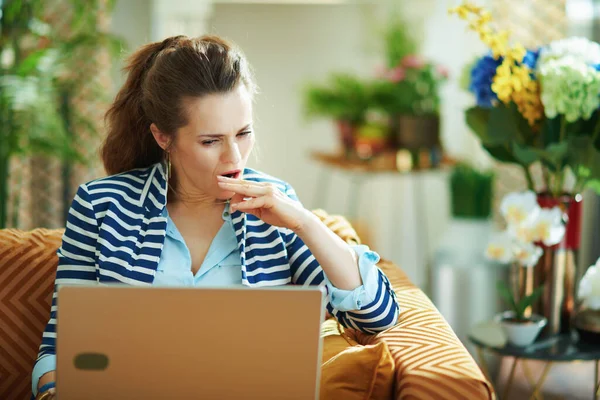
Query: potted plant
[
  {"x": 587, "y": 319},
  {"x": 344, "y": 98},
  {"x": 540, "y": 109},
  {"x": 40, "y": 79},
  {"x": 520, "y": 327},
  {"x": 528, "y": 227},
  {"x": 407, "y": 89},
  {"x": 409, "y": 93}
]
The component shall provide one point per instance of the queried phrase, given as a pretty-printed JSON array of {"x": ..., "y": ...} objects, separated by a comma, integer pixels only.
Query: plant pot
[
  {"x": 418, "y": 132},
  {"x": 521, "y": 333},
  {"x": 557, "y": 268},
  {"x": 347, "y": 137}
]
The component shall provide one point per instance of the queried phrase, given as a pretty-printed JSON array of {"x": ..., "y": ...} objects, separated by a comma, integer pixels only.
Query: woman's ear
[{"x": 161, "y": 138}]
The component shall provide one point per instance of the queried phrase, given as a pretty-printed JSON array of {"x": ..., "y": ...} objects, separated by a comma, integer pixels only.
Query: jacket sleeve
[
  {"x": 76, "y": 265},
  {"x": 376, "y": 315}
]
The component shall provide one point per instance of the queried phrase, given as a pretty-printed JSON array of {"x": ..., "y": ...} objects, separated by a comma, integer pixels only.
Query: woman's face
[{"x": 216, "y": 141}]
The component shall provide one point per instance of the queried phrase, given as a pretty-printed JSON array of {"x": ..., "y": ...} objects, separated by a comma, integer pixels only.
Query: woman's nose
[{"x": 231, "y": 154}]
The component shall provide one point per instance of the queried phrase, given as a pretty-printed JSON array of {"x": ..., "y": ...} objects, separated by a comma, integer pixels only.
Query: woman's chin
[{"x": 224, "y": 196}]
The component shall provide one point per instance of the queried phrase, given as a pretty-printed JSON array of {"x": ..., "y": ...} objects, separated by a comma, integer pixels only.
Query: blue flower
[
  {"x": 482, "y": 75},
  {"x": 531, "y": 58}
]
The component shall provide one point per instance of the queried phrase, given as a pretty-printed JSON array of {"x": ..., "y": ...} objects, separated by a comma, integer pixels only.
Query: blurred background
[{"x": 317, "y": 62}]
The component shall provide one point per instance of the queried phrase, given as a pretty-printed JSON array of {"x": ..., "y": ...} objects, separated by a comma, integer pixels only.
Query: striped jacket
[{"x": 115, "y": 234}]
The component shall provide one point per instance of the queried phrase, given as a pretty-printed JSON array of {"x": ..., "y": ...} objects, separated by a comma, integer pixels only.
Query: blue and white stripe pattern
[{"x": 115, "y": 232}]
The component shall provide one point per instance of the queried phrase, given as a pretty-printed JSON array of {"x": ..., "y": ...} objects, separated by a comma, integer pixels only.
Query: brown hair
[{"x": 160, "y": 76}]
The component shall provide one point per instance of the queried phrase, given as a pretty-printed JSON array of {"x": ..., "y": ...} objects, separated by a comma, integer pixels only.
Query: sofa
[{"x": 429, "y": 362}]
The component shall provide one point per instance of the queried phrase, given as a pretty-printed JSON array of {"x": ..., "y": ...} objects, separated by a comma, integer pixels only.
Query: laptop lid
[{"x": 164, "y": 343}]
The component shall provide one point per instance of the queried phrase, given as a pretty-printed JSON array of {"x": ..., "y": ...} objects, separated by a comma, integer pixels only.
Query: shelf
[{"x": 388, "y": 162}]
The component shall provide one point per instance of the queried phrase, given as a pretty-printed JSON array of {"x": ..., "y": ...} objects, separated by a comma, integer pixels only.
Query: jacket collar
[{"x": 154, "y": 199}]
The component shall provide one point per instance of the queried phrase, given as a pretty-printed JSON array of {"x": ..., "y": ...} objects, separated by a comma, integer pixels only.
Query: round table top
[{"x": 565, "y": 347}]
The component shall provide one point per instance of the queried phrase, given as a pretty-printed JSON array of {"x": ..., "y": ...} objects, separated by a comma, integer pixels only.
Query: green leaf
[
  {"x": 502, "y": 126},
  {"x": 501, "y": 153},
  {"x": 507, "y": 296},
  {"x": 551, "y": 130},
  {"x": 477, "y": 119},
  {"x": 30, "y": 64},
  {"x": 525, "y": 155},
  {"x": 555, "y": 155},
  {"x": 529, "y": 300},
  {"x": 584, "y": 161}
]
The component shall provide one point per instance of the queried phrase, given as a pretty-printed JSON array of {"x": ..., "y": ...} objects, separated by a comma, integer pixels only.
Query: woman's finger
[
  {"x": 244, "y": 188},
  {"x": 252, "y": 204}
]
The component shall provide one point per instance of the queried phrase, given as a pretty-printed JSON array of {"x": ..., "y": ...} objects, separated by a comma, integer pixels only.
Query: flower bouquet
[{"x": 539, "y": 109}]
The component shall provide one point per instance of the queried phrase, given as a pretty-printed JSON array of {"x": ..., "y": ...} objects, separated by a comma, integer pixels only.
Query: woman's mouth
[{"x": 232, "y": 174}]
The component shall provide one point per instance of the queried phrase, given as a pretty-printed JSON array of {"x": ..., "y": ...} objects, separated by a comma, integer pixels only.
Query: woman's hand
[{"x": 265, "y": 201}]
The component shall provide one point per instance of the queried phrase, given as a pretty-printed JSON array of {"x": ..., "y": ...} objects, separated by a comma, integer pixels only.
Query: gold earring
[{"x": 168, "y": 165}]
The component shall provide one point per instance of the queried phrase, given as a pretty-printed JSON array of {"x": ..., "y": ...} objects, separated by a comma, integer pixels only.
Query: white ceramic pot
[{"x": 521, "y": 333}]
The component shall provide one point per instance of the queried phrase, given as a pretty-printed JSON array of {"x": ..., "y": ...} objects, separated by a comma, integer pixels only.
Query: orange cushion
[{"x": 352, "y": 371}]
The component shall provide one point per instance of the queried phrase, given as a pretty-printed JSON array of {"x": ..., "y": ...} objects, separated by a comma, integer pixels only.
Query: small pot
[
  {"x": 418, "y": 132},
  {"x": 347, "y": 136},
  {"x": 521, "y": 333}
]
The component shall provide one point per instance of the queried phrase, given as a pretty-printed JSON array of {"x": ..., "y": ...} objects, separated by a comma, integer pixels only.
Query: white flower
[
  {"x": 548, "y": 227},
  {"x": 589, "y": 287},
  {"x": 527, "y": 254},
  {"x": 501, "y": 248},
  {"x": 517, "y": 208},
  {"x": 579, "y": 48}
]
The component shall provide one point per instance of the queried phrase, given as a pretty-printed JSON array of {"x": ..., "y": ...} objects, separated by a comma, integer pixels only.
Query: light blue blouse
[{"x": 222, "y": 267}]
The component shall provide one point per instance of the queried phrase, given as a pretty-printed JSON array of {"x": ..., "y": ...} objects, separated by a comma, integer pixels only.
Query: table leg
[
  {"x": 540, "y": 383},
  {"x": 596, "y": 380},
  {"x": 510, "y": 379}
]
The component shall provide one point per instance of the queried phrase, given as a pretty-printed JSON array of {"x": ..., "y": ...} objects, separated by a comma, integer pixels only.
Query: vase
[
  {"x": 347, "y": 137},
  {"x": 557, "y": 268},
  {"x": 418, "y": 132}
]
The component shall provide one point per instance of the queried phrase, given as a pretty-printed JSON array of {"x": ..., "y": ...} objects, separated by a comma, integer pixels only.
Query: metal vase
[{"x": 557, "y": 268}]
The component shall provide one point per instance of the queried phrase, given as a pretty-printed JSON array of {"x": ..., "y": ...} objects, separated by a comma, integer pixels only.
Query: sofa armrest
[{"x": 430, "y": 360}]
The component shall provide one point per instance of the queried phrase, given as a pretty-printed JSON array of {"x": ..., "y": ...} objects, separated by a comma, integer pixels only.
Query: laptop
[{"x": 117, "y": 342}]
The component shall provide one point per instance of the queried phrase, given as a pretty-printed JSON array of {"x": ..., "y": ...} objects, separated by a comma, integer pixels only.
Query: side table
[{"x": 557, "y": 349}]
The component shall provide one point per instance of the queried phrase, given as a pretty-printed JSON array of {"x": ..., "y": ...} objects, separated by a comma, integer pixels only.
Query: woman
[{"x": 181, "y": 208}]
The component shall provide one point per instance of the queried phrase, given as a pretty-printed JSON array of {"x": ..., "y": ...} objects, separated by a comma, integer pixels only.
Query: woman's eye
[
  {"x": 209, "y": 142},
  {"x": 241, "y": 134}
]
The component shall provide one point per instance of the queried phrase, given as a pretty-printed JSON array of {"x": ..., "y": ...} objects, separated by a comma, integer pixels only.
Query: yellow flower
[
  {"x": 517, "y": 53},
  {"x": 499, "y": 44},
  {"x": 512, "y": 81},
  {"x": 485, "y": 18},
  {"x": 502, "y": 86}
]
